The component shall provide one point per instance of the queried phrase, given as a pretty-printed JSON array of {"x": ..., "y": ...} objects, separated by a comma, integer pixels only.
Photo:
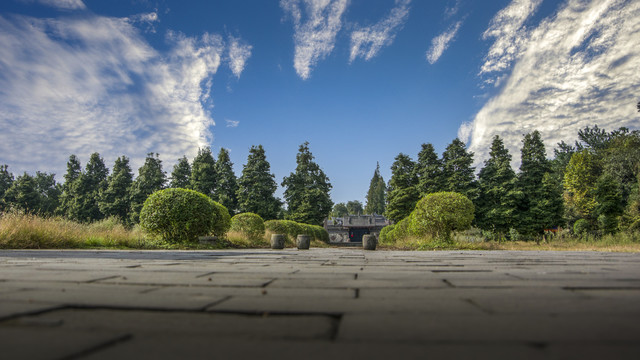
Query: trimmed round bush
[
  {"x": 249, "y": 224},
  {"x": 221, "y": 218},
  {"x": 438, "y": 214},
  {"x": 581, "y": 227},
  {"x": 178, "y": 215}
]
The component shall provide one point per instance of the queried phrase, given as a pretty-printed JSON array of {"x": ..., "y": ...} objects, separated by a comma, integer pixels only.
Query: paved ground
[{"x": 318, "y": 304}]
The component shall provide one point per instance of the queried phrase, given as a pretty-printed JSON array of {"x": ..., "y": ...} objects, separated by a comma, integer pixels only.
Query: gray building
[{"x": 351, "y": 228}]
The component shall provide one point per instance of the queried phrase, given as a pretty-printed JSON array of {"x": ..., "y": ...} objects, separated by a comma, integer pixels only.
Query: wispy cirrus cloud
[
  {"x": 510, "y": 33},
  {"x": 367, "y": 41},
  {"x": 441, "y": 42},
  {"x": 64, "y": 4},
  {"x": 83, "y": 84},
  {"x": 239, "y": 53},
  {"x": 232, "y": 123},
  {"x": 576, "y": 68},
  {"x": 316, "y": 24}
]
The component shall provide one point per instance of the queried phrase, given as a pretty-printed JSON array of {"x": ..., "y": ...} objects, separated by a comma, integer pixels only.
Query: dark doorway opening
[{"x": 356, "y": 234}]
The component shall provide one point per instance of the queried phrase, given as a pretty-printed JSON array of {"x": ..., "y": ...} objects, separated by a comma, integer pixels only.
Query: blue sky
[{"x": 361, "y": 80}]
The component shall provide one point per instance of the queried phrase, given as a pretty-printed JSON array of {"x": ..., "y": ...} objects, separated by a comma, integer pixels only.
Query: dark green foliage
[
  {"x": 181, "y": 174},
  {"x": 581, "y": 227},
  {"x": 496, "y": 203},
  {"x": 402, "y": 194},
  {"x": 85, "y": 190},
  {"x": 178, "y": 215},
  {"x": 354, "y": 207},
  {"x": 227, "y": 184},
  {"x": 203, "y": 173},
  {"x": 151, "y": 178},
  {"x": 609, "y": 203},
  {"x": 115, "y": 199},
  {"x": 376, "y": 196},
  {"x": 49, "y": 193},
  {"x": 429, "y": 171},
  {"x": 438, "y": 214},
  {"x": 221, "y": 220},
  {"x": 249, "y": 224},
  {"x": 23, "y": 195},
  {"x": 339, "y": 210},
  {"x": 74, "y": 170},
  {"x": 458, "y": 174},
  {"x": 292, "y": 229},
  {"x": 6, "y": 179},
  {"x": 307, "y": 190},
  {"x": 256, "y": 186}
]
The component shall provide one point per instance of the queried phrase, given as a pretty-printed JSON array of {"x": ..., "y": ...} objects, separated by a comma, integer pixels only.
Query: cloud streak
[
  {"x": 79, "y": 85},
  {"x": 315, "y": 28},
  {"x": 64, "y": 4},
  {"x": 367, "y": 41},
  {"x": 441, "y": 42},
  {"x": 239, "y": 53},
  {"x": 577, "y": 68}
]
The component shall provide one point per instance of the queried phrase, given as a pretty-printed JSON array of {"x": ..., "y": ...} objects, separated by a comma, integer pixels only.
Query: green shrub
[
  {"x": 581, "y": 227},
  {"x": 249, "y": 224},
  {"x": 293, "y": 229},
  {"x": 384, "y": 235},
  {"x": 222, "y": 220},
  {"x": 438, "y": 214},
  {"x": 180, "y": 215}
]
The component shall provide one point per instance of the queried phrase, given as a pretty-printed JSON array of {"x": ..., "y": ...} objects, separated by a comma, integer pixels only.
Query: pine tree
[
  {"x": 429, "y": 171},
  {"x": 203, "y": 173},
  {"x": 458, "y": 174},
  {"x": 181, "y": 174},
  {"x": 376, "y": 194},
  {"x": 85, "y": 191},
  {"x": 402, "y": 193},
  {"x": 115, "y": 200},
  {"x": 74, "y": 170},
  {"x": 256, "y": 186},
  {"x": 6, "y": 179},
  {"x": 307, "y": 190},
  {"x": 496, "y": 203},
  {"x": 151, "y": 178},
  {"x": 227, "y": 184}
]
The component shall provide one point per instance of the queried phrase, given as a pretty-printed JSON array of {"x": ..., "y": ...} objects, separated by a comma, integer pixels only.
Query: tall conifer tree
[
  {"x": 256, "y": 186},
  {"x": 181, "y": 174},
  {"x": 74, "y": 170},
  {"x": 115, "y": 200},
  {"x": 458, "y": 174},
  {"x": 203, "y": 173},
  {"x": 85, "y": 190},
  {"x": 307, "y": 190},
  {"x": 402, "y": 193},
  {"x": 429, "y": 171},
  {"x": 6, "y": 179},
  {"x": 151, "y": 178},
  {"x": 376, "y": 196},
  {"x": 227, "y": 184}
]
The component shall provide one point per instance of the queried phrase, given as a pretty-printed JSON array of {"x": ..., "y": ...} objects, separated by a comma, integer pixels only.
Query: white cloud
[
  {"x": 64, "y": 4},
  {"x": 239, "y": 53},
  {"x": 510, "y": 34},
  {"x": 579, "y": 68},
  {"x": 441, "y": 42},
  {"x": 315, "y": 30},
  {"x": 452, "y": 10},
  {"x": 232, "y": 123},
  {"x": 367, "y": 41},
  {"x": 147, "y": 19},
  {"x": 75, "y": 86}
]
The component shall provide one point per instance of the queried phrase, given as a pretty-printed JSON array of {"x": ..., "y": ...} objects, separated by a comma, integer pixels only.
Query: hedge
[
  {"x": 293, "y": 229},
  {"x": 249, "y": 224}
]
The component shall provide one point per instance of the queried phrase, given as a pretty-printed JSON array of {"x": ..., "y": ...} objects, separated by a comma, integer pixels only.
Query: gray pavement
[{"x": 318, "y": 304}]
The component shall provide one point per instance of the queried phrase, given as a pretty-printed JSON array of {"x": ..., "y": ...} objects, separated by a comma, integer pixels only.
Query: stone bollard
[
  {"x": 277, "y": 241},
  {"x": 303, "y": 242},
  {"x": 369, "y": 242}
]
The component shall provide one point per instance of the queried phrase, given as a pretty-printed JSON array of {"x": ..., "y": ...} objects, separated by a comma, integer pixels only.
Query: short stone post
[
  {"x": 303, "y": 242},
  {"x": 369, "y": 242},
  {"x": 277, "y": 241}
]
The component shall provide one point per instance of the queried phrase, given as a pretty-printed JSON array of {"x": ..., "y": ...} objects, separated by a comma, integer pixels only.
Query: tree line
[
  {"x": 96, "y": 193},
  {"x": 591, "y": 186}
]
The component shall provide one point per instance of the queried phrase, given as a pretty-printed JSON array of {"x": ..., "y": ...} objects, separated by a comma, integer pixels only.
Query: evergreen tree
[
  {"x": 354, "y": 207},
  {"x": 181, "y": 174},
  {"x": 429, "y": 171},
  {"x": 496, "y": 203},
  {"x": 307, "y": 190},
  {"x": 23, "y": 194},
  {"x": 115, "y": 200},
  {"x": 227, "y": 184},
  {"x": 339, "y": 210},
  {"x": 458, "y": 174},
  {"x": 49, "y": 192},
  {"x": 151, "y": 178},
  {"x": 85, "y": 191},
  {"x": 203, "y": 173},
  {"x": 376, "y": 194},
  {"x": 537, "y": 209},
  {"x": 74, "y": 170},
  {"x": 256, "y": 186},
  {"x": 402, "y": 193},
  {"x": 610, "y": 205},
  {"x": 6, "y": 179}
]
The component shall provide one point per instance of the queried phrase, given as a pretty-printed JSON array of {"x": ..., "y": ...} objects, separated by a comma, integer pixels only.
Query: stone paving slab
[{"x": 318, "y": 304}]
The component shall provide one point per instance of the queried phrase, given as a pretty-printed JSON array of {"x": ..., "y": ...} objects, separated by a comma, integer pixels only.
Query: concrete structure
[
  {"x": 335, "y": 303},
  {"x": 351, "y": 228}
]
